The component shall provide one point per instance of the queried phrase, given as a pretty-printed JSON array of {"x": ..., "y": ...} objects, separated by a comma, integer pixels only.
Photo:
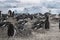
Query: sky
[{"x": 28, "y": 5}]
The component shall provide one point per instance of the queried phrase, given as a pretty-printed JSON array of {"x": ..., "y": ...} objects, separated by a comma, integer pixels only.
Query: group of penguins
[{"x": 38, "y": 24}]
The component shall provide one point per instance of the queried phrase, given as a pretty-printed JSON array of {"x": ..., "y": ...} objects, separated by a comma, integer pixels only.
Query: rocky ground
[{"x": 41, "y": 34}]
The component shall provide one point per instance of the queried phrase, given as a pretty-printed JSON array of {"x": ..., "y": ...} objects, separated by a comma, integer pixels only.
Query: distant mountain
[
  {"x": 30, "y": 8},
  {"x": 33, "y": 9}
]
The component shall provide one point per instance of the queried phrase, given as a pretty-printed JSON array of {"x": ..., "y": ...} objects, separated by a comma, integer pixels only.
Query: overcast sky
[
  {"x": 31, "y": 0},
  {"x": 5, "y": 4}
]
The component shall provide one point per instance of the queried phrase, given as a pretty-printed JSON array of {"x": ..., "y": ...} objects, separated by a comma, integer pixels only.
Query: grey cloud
[{"x": 32, "y": 7}]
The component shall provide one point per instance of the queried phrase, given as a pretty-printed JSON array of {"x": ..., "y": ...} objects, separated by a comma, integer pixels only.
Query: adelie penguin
[
  {"x": 10, "y": 31},
  {"x": 47, "y": 26}
]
